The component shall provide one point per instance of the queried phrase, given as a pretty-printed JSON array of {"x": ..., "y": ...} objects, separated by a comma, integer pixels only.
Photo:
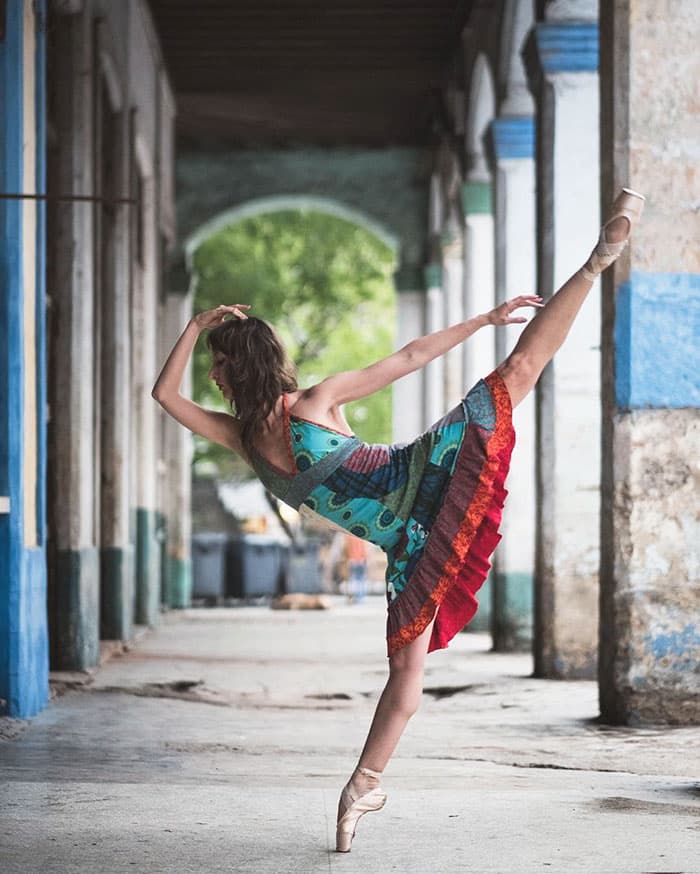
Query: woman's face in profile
[{"x": 218, "y": 374}]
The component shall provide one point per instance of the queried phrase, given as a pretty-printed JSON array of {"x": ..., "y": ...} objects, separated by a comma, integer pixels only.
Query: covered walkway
[{"x": 220, "y": 743}]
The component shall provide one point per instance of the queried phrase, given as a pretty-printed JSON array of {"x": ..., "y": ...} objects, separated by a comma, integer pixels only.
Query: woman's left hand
[
  {"x": 212, "y": 318},
  {"x": 501, "y": 315}
]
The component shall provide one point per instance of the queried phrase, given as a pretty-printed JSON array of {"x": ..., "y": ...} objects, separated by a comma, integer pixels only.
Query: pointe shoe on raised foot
[
  {"x": 628, "y": 204},
  {"x": 357, "y": 805}
]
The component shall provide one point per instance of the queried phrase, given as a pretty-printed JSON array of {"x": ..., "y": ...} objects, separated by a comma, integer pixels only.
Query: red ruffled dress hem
[{"x": 456, "y": 556}]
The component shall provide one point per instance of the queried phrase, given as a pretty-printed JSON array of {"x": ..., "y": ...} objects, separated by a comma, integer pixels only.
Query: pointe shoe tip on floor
[{"x": 633, "y": 193}]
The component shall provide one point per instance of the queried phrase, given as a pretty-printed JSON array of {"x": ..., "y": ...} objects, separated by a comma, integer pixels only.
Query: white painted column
[
  {"x": 177, "y": 455},
  {"x": 569, "y": 391},
  {"x": 478, "y": 353},
  {"x": 144, "y": 371},
  {"x": 434, "y": 376},
  {"x": 408, "y": 401},
  {"x": 453, "y": 298},
  {"x": 512, "y": 139},
  {"x": 478, "y": 287}
]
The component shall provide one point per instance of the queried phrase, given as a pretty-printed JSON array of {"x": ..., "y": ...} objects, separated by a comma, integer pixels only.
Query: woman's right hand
[
  {"x": 212, "y": 318},
  {"x": 501, "y": 315}
]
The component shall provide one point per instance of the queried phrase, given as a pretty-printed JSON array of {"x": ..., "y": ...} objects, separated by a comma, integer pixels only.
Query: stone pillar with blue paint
[
  {"x": 24, "y": 662},
  {"x": 562, "y": 59},
  {"x": 512, "y": 141},
  {"x": 650, "y": 569}
]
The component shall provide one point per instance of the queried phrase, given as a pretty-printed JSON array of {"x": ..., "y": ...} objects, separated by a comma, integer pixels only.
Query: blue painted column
[
  {"x": 649, "y": 669},
  {"x": 563, "y": 66},
  {"x": 511, "y": 152},
  {"x": 23, "y": 620}
]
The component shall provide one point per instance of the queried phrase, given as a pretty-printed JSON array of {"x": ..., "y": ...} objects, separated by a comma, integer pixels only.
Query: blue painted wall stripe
[
  {"x": 657, "y": 341},
  {"x": 568, "y": 47},
  {"x": 513, "y": 137}
]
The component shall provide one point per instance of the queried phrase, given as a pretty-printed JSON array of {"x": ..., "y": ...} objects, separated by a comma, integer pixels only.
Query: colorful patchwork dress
[{"x": 433, "y": 505}]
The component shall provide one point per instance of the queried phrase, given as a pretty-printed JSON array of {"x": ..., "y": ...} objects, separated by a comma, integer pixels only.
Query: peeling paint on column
[{"x": 682, "y": 648}]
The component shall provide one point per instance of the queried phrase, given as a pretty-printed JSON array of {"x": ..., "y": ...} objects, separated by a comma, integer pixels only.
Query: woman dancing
[{"x": 433, "y": 505}]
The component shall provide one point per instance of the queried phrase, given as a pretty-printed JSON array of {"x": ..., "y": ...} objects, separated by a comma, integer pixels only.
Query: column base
[
  {"x": 147, "y": 568},
  {"x": 513, "y": 610},
  {"x": 179, "y": 582},
  {"x": 116, "y": 593},
  {"x": 74, "y": 613}
]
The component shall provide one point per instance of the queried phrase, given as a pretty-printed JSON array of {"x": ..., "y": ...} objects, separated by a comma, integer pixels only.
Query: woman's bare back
[{"x": 272, "y": 442}]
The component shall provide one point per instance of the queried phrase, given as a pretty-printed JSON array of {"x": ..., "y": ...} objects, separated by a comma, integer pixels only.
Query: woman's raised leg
[{"x": 548, "y": 329}]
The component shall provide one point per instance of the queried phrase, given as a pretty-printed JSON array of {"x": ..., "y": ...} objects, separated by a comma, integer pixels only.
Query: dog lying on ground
[{"x": 300, "y": 601}]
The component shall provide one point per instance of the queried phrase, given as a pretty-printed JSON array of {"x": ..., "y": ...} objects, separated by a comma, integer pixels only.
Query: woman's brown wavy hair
[{"x": 257, "y": 368}]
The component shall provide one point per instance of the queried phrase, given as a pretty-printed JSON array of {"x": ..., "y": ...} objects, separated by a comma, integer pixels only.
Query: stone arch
[
  {"x": 261, "y": 205},
  {"x": 481, "y": 111},
  {"x": 385, "y": 192}
]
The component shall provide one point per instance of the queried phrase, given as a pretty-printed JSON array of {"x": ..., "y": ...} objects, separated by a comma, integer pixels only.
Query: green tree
[{"x": 324, "y": 283}]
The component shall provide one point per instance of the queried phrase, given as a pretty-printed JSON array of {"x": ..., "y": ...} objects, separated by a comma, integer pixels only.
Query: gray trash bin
[
  {"x": 254, "y": 566},
  {"x": 209, "y": 564},
  {"x": 303, "y": 568}
]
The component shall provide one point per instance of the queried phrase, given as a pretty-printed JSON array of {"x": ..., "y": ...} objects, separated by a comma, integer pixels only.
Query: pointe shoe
[
  {"x": 628, "y": 204},
  {"x": 357, "y": 805}
]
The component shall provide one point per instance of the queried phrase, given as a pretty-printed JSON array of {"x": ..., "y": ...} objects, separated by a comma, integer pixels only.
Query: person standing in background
[{"x": 356, "y": 553}]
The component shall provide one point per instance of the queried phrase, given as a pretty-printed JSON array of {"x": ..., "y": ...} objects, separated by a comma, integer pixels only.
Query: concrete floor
[{"x": 220, "y": 743}]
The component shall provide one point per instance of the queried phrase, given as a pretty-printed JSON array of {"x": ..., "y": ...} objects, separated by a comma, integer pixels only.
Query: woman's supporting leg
[
  {"x": 398, "y": 702},
  {"x": 548, "y": 329}
]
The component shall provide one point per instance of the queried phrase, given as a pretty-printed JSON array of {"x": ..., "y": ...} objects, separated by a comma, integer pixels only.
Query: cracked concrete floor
[{"x": 220, "y": 742}]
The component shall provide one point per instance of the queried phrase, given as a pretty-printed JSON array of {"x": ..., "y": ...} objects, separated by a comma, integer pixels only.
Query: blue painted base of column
[
  {"x": 75, "y": 620},
  {"x": 482, "y": 620},
  {"x": 179, "y": 582},
  {"x": 512, "y": 620},
  {"x": 116, "y": 593},
  {"x": 147, "y": 568},
  {"x": 24, "y": 638}
]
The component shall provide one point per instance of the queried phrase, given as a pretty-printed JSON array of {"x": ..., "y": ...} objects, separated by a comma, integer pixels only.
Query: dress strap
[{"x": 288, "y": 433}]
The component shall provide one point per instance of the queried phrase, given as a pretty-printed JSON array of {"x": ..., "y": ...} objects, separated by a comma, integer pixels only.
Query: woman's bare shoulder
[{"x": 313, "y": 404}]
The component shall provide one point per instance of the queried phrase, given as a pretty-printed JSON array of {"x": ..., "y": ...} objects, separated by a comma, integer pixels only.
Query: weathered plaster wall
[{"x": 650, "y": 597}]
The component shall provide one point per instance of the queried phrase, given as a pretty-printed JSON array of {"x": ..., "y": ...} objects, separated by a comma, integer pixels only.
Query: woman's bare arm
[
  {"x": 218, "y": 427},
  {"x": 355, "y": 384}
]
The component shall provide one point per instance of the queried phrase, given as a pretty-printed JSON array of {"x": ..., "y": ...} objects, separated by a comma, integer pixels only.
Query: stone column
[
  {"x": 650, "y": 565},
  {"x": 145, "y": 436},
  {"x": 177, "y": 454},
  {"x": 479, "y": 350},
  {"x": 568, "y": 399},
  {"x": 512, "y": 154},
  {"x": 113, "y": 259},
  {"x": 452, "y": 244},
  {"x": 73, "y": 592},
  {"x": 434, "y": 376},
  {"x": 408, "y": 392},
  {"x": 24, "y": 638}
]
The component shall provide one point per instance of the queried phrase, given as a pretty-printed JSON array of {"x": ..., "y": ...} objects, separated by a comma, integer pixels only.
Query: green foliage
[{"x": 324, "y": 283}]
